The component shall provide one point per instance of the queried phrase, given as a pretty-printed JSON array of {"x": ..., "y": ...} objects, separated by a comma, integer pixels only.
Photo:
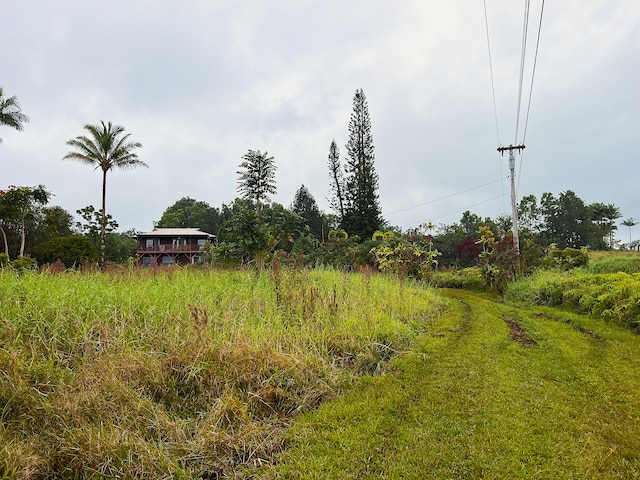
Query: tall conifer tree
[
  {"x": 257, "y": 177},
  {"x": 362, "y": 215},
  {"x": 336, "y": 181}
]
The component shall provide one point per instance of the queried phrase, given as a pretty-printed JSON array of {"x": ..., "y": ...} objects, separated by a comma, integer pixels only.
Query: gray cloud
[{"x": 200, "y": 83}]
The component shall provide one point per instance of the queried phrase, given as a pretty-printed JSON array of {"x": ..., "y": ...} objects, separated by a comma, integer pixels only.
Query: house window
[
  {"x": 147, "y": 261},
  {"x": 149, "y": 243},
  {"x": 201, "y": 242},
  {"x": 167, "y": 260}
]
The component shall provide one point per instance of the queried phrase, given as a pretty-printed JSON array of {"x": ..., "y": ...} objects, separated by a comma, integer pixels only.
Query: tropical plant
[
  {"x": 498, "y": 260},
  {"x": 56, "y": 222},
  {"x": 411, "y": 254},
  {"x": 107, "y": 147},
  {"x": 603, "y": 219},
  {"x": 257, "y": 177},
  {"x": 10, "y": 113},
  {"x": 630, "y": 222}
]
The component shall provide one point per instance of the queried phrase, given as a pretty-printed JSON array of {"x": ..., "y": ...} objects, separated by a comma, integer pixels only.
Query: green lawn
[{"x": 493, "y": 391}]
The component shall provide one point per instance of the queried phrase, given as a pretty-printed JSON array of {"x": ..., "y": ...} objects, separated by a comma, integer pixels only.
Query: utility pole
[{"x": 514, "y": 210}]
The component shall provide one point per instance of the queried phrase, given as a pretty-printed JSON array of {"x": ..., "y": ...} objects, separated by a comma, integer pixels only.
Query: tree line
[
  {"x": 246, "y": 234},
  {"x": 252, "y": 228}
]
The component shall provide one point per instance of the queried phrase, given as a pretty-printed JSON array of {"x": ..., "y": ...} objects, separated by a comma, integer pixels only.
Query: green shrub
[
  {"x": 72, "y": 250},
  {"x": 566, "y": 259},
  {"x": 25, "y": 262}
]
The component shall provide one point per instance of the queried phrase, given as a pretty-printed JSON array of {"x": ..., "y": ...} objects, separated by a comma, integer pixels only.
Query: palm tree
[
  {"x": 10, "y": 113},
  {"x": 630, "y": 222},
  {"x": 107, "y": 147}
]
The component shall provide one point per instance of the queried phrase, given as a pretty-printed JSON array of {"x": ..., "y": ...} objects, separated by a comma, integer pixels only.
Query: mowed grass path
[{"x": 493, "y": 391}]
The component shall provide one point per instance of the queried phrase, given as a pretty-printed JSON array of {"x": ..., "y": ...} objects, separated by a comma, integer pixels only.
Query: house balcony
[{"x": 169, "y": 249}]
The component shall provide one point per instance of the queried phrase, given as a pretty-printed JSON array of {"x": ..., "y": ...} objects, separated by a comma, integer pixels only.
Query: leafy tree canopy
[
  {"x": 17, "y": 206},
  {"x": 72, "y": 250},
  {"x": 190, "y": 213}
]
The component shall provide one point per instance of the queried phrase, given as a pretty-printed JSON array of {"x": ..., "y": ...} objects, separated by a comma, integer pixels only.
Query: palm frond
[
  {"x": 10, "y": 112},
  {"x": 106, "y": 146}
]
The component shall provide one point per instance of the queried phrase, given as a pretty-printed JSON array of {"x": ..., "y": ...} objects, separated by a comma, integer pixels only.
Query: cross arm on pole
[{"x": 510, "y": 149}]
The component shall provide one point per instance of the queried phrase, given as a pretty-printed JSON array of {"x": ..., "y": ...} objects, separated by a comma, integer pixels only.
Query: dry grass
[{"x": 182, "y": 373}]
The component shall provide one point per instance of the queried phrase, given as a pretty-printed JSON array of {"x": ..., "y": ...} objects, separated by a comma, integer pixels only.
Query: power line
[
  {"x": 517, "y": 147},
  {"x": 525, "y": 29},
  {"x": 533, "y": 72},
  {"x": 493, "y": 90},
  {"x": 466, "y": 209},
  {"x": 448, "y": 196},
  {"x": 521, "y": 73},
  {"x": 474, "y": 205}
]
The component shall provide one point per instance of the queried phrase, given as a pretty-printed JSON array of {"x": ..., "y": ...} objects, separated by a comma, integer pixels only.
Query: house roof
[{"x": 176, "y": 232}]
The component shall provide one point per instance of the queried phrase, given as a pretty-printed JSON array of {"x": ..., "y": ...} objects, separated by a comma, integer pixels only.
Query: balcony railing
[{"x": 170, "y": 248}]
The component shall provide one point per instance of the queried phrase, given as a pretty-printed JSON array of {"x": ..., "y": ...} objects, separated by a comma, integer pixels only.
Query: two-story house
[{"x": 169, "y": 246}]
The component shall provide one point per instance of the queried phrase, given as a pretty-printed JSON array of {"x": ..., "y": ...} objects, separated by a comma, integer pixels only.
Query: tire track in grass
[{"x": 474, "y": 403}]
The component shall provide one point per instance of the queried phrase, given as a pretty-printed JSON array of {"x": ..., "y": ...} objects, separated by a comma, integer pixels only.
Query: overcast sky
[{"x": 199, "y": 83}]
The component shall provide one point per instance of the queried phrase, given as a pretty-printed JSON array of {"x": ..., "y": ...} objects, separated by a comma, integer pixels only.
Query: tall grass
[
  {"x": 182, "y": 373},
  {"x": 611, "y": 296},
  {"x": 613, "y": 262}
]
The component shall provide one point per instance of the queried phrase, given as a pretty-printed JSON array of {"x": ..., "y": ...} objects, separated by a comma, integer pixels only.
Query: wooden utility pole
[{"x": 514, "y": 209}]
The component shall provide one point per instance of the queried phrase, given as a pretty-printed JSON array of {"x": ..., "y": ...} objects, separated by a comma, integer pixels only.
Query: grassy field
[
  {"x": 182, "y": 373},
  {"x": 494, "y": 391},
  {"x": 186, "y": 373}
]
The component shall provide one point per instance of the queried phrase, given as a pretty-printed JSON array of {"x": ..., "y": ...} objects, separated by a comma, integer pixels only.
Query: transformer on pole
[{"x": 514, "y": 209}]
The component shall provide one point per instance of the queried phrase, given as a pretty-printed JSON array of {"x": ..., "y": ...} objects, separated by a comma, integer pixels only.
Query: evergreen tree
[
  {"x": 336, "y": 181},
  {"x": 362, "y": 210},
  {"x": 305, "y": 205},
  {"x": 257, "y": 177}
]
